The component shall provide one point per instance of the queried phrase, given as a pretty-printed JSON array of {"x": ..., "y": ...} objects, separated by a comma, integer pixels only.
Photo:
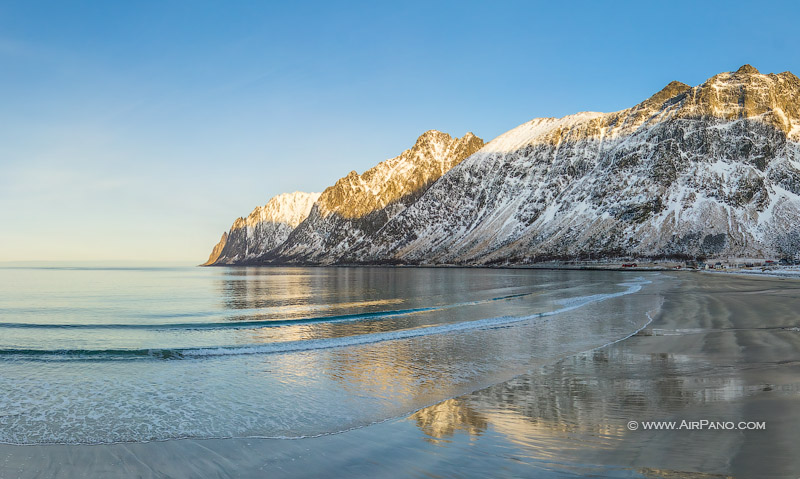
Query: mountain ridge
[
  {"x": 355, "y": 205},
  {"x": 358, "y": 205},
  {"x": 533, "y": 222},
  {"x": 710, "y": 170}
]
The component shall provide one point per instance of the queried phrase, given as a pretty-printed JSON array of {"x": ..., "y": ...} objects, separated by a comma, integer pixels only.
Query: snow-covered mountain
[
  {"x": 358, "y": 206},
  {"x": 711, "y": 170},
  {"x": 264, "y": 229}
]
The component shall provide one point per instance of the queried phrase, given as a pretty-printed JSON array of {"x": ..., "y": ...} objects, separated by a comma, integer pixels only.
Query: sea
[{"x": 104, "y": 353}]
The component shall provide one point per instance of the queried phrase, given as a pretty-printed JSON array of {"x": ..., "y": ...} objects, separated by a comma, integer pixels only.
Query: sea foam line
[
  {"x": 265, "y": 323},
  {"x": 318, "y": 344}
]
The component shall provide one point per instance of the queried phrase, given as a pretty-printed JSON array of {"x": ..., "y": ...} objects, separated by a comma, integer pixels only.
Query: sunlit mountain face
[
  {"x": 705, "y": 171},
  {"x": 323, "y": 227}
]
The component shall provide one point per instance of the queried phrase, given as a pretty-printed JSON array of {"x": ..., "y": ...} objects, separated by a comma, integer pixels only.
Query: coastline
[
  {"x": 766, "y": 273},
  {"x": 721, "y": 348},
  {"x": 645, "y": 267},
  {"x": 660, "y": 266}
]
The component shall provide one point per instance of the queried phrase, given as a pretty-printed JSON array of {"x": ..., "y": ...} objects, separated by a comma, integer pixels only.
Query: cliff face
[
  {"x": 264, "y": 229},
  {"x": 217, "y": 251},
  {"x": 711, "y": 170},
  {"x": 357, "y": 206}
]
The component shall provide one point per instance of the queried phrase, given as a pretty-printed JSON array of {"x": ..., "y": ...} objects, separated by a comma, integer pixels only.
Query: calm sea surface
[{"x": 103, "y": 354}]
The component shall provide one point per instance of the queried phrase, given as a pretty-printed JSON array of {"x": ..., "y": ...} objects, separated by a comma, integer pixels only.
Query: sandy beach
[{"x": 723, "y": 348}]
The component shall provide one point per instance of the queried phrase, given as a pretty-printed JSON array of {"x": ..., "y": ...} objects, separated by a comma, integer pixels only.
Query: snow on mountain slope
[
  {"x": 705, "y": 171},
  {"x": 265, "y": 228},
  {"x": 712, "y": 170},
  {"x": 359, "y": 205}
]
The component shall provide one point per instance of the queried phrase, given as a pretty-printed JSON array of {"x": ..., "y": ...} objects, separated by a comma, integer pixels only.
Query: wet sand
[{"x": 722, "y": 348}]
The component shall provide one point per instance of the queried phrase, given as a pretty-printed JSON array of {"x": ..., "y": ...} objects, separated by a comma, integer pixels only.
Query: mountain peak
[
  {"x": 676, "y": 86},
  {"x": 748, "y": 70},
  {"x": 265, "y": 228},
  {"x": 289, "y": 208},
  {"x": 673, "y": 89},
  {"x": 433, "y": 135},
  {"x": 432, "y": 155},
  {"x": 746, "y": 93}
]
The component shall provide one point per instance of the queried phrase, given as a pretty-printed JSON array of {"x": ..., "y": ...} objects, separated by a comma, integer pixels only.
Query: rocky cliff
[
  {"x": 358, "y": 206},
  {"x": 264, "y": 229}
]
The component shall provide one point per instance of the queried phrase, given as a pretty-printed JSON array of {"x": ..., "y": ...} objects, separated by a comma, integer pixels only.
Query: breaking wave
[{"x": 303, "y": 345}]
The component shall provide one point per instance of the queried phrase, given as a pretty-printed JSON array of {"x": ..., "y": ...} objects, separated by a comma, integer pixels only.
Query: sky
[{"x": 138, "y": 131}]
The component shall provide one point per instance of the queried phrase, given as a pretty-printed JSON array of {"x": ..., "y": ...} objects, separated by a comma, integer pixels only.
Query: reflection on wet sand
[
  {"x": 441, "y": 421},
  {"x": 721, "y": 348},
  {"x": 734, "y": 358}
]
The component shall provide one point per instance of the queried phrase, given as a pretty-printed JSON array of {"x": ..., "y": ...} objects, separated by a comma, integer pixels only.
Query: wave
[
  {"x": 314, "y": 344},
  {"x": 261, "y": 323}
]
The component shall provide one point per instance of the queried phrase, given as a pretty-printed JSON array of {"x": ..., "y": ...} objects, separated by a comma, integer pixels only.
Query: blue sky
[{"x": 140, "y": 130}]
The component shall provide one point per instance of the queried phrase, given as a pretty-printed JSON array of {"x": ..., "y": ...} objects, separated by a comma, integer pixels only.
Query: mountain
[
  {"x": 705, "y": 171},
  {"x": 711, "y": 170},
  {"x": 358, "y": 206},
  {"x": 265, "y": 228}
]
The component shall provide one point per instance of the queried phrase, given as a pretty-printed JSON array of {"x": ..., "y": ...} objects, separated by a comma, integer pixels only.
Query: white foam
[{"x": 481, "y": 324}]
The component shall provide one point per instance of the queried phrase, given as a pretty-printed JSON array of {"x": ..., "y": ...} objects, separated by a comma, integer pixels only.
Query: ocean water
[{"x": 92, "y": 355}]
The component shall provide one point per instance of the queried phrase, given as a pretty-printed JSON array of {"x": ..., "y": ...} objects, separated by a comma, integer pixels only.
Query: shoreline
[
  {"x": 777, "y": 273},
  {"x": 538, "y": 266},
  {"x": 714, "y": 351},
  {"x": 790, "y": 272}
]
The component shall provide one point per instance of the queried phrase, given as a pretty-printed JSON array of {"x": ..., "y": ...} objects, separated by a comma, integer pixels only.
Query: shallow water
[
  {"x": 99, "y": 355},
  {"x": 719, "y": 348}
]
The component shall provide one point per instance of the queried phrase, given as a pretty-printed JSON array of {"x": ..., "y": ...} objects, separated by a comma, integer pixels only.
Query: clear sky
[{"x": 141, "y": 130}]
